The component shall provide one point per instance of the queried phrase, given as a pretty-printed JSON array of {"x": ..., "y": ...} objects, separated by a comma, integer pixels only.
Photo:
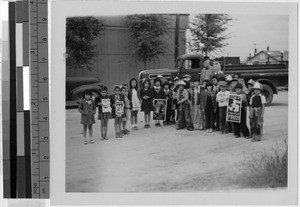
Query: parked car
[
  {"x": 269, "y": 75},
  {"x": 75, "y": 86}
]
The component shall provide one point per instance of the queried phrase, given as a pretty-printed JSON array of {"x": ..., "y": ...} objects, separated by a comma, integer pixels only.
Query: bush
[{"x": 266, "y": 170}]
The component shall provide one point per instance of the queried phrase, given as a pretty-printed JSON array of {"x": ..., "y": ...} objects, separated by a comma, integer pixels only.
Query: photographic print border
[{"x": 60, "y": 10}]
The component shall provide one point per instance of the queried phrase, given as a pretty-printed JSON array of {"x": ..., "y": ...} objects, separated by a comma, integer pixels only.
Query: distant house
[{"x": 269, "y": 57}]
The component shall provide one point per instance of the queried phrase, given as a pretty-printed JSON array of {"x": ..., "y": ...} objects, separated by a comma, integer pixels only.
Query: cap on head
[
  {"x": 257, "y": 85},
  {"x": 182, "y": 83},
  {"x": 186, "y": 76},
  {"x": 251, "y": 82},
  {"x": 228, "y": 78},
  {"x": 176, "y": 78}
]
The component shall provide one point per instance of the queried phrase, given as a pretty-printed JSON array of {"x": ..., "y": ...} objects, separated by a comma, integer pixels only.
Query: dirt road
[{"x": 164, "y": 159}]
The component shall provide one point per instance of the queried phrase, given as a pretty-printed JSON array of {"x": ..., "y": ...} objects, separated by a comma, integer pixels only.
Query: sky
[
  {"x": 262, "y": 30},
  {"x": 245, "y": 31}
]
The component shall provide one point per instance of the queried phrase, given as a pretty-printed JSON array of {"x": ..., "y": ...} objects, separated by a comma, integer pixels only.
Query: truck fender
[
  {"x": 76, "y": 93},
  {"x": 269, "y": 83}
]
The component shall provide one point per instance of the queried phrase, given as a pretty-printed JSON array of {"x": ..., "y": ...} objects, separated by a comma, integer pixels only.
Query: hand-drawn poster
[
  {"x": 160, "y": 109},
  {"x": 234, "y": 108},
  {"x": 106, "y": 105},
  {"x": 119, "y": 108}
]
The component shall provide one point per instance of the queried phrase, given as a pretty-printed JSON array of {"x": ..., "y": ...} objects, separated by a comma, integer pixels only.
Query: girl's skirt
[
  {"x": 103, "y": 116},
  {"x": 127, "y": 115}
]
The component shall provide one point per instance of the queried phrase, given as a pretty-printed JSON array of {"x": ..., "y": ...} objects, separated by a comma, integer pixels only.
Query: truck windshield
[{"x": 188, "y": 63}]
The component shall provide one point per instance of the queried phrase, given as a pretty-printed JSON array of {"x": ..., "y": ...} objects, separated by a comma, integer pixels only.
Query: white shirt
[{"x": 222, "y": 98}]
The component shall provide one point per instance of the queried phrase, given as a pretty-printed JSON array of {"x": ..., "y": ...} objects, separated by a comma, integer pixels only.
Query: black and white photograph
[{"x": 177, "y": 101}]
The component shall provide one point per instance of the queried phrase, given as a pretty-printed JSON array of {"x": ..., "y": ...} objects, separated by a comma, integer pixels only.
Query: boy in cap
[
  {"x": 257, "y": 109},
  {"x": 242, "y": 126},
  {"x": 184, "y": 107},
  {"x": 222, "y": 100}
]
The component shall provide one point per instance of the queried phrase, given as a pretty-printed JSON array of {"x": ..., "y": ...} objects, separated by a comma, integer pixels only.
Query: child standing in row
[
  {"x": 104, "y": 109},
  {"x": 134, "y": 98},
  {"x": 87, "y": 110},
  {"x": 196, "y": 104},
  {"x": 168, "y": 95},
  {"x": 184, "y": 107},
  {"x": 158, "y": 93},
  {"x": 146, "y": 95},
  {"x": 257, "y": 109},
  {"x": 124, "y": 91},
  {"x": 241, "y": 127},
  {"x": 175, "y": 105},
  {"x": 118, "y": 115},
  {"x": 222, "y": 99},
  {"x": 210, "y": 108}
]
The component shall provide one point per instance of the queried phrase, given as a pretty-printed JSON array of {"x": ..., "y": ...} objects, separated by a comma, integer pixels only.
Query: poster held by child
[
  {"x": 117, "y": 113},
  {"x": 158, "y": 93},
  {"x": 104, "y": 111},
  {"x": 87, "y": 110},
  {"x": 241, "y": 127}
]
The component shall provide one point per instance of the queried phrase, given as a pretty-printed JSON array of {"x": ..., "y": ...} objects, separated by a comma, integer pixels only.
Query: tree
[
  {"x": 207, "y": 32},
  {"x": 146, "y": 36},
  {"x": 80, "y": 34}
]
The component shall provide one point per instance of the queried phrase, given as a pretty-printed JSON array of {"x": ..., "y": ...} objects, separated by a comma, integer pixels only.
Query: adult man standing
[{"x": 208, "y": 71}]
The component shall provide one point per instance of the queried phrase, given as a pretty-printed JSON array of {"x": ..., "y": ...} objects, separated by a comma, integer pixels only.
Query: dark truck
[
  {"x": 75, "y": 86},
  {"x": 269, "y": 75}
]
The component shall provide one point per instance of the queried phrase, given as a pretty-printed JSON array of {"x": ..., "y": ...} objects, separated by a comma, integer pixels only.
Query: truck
[
  {"x": 270, "y": 76},
  {"x": 75, "y": 86}
]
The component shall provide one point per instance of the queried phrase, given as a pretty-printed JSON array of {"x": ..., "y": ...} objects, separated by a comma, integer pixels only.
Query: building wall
[{"x": 114, "y": 64}]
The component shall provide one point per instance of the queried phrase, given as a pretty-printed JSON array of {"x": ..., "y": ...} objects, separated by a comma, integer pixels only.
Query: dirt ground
[{"x": 164, "y": 159}]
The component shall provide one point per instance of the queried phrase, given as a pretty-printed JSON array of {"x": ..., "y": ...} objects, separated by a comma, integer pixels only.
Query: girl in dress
[
  {"x": 134, "y": 98},
  {"x": 104, "y": 110},
  {"x": 169, "y": 97},
  {"x": 87, "y": 110},
  {"x": 146, "y": 95},
  {"x": 117, "y": 112}
]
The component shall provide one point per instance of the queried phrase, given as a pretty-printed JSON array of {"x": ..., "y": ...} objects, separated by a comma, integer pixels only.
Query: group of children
[{"x": 202, "y": 106}]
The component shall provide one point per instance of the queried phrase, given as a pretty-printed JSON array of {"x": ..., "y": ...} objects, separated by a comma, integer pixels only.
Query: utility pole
[{"x": 177, "y": 20}]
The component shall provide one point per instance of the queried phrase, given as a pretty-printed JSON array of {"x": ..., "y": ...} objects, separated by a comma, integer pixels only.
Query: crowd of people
[{"x": 201, "y": 106}]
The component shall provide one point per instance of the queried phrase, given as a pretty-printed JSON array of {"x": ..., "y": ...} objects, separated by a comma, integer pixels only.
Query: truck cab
[{"x": 191, "y": 64}]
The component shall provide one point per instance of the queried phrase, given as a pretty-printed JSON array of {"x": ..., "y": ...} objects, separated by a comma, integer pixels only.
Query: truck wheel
[{"x": 268, "y": 93}]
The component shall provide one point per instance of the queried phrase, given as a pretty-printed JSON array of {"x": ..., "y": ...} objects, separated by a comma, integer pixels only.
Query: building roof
[{"x": 275, "y": 54}]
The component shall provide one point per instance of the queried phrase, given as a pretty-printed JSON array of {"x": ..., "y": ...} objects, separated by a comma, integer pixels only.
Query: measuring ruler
[{"x": 40, "y": 168}]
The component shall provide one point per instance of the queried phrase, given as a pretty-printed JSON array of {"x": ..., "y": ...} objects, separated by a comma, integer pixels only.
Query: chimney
[
  {"x": 268, "y": 48},
  {"x": 255, "y": 51}
]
